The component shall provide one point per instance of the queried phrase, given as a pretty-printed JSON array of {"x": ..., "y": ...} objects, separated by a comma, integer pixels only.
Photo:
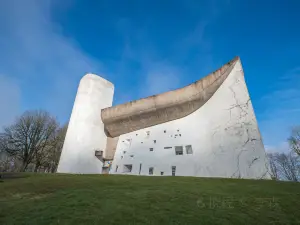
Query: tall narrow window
[
  {"x": 178, "y": 150},
  {"x": 150, "y": 170},
  {"x": 140, "y": 168},
  {"x": 154, "y": 141},
  {"x": 117, "y": 168},
  {"x": 173, "y": 170},
  {"x": 189, "y": 149}
]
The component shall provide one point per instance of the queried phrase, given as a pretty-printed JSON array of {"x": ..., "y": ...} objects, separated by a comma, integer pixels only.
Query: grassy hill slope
[{"x": 108, "y": 199}]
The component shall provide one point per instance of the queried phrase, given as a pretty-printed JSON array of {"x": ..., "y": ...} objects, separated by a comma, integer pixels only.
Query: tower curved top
[
  {"x": 91, "y": 76},
  {"x": 161, "y": 108}
]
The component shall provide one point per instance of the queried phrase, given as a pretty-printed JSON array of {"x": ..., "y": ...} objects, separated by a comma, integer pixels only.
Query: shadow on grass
[{"x": 7, "y": 176}]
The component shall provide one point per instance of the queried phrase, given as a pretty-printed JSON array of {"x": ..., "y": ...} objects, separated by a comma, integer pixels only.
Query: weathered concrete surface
[
  {"x": 157, "y": 109},
  {"x": 85, "y": 132},
  {"x": 111, "y": 147},
  {"x": 223, "y": 133}
]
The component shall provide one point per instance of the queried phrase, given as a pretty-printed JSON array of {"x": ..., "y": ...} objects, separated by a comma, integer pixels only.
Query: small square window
[
  {"x": 165, "y": 131},
  {"x": 151, "y": 149},
  {"x": 124, "y": 152},
  {"x": 121, "y": 157},
  {"x": 150, "y": 170},
  {"x": 189, "y": 149},
  {"x": 141, "y": 142},
  {"x": 136, "y": 134},
  {"x": 161, "y": 173},
  {"x": 178, "y": 150},
  {"x": 148, "y": 133}
]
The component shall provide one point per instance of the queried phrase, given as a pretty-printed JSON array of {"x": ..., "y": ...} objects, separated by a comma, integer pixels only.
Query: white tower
[{"x": 85, "y": 133}]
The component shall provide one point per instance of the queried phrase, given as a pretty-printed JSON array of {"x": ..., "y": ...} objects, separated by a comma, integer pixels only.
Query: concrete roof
[{"x": 161, "y": 108}]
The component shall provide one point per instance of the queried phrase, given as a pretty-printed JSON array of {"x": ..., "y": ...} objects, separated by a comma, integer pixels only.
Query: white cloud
[
  {"x": 160, "y": 79},
  {"x": 282, "y": 107},
  {"x": 10, "y": 97},
  {"x": 282, "y": 147},
  {"x": 48, "y": 64}
]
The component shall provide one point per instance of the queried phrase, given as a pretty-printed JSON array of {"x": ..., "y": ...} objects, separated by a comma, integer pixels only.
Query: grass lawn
[{"x": 111, "y": 199}]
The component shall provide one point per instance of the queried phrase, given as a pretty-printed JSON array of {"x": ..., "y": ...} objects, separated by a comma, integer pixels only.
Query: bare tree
[
  {"x": 8, "y": 163},
  {"x": 294, "y": 140},
  {"x": 273, "y": 166},
  {"x": 31, "y": 134},
  {"x": 285, "y": 166},
  {"x": 48, "y": 158}
]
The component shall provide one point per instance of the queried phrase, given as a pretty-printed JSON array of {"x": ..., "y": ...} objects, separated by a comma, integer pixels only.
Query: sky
[{"x": 148, "y": 47}]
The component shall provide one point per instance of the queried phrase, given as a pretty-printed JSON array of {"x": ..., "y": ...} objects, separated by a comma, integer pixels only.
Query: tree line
[
  {"x": 286, "y": 166},
  {"x": 32, "y": 143}
]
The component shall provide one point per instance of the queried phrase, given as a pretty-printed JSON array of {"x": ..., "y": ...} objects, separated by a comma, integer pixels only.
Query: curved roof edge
[{"x": 161, "y": 108}]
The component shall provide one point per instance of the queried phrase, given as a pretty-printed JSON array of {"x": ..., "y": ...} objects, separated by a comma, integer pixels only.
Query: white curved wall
[
  {"x": 223, "y": 133},
  {"x": 85, "y": 132}
]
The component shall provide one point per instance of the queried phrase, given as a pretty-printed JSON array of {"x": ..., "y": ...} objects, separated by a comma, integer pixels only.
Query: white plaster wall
[
  {"x": 85, "y": 132},
  {"x": 223, "y": 133}
]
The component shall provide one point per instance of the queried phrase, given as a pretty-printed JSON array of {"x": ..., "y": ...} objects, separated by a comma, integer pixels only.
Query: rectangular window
[
  {"x": 154, "y": 141},
  {"x": 167, "y": 147},
  {"x": 151, "y": 149},
  {"x": 189, "y": 149},
  {"x": 161, "y": 173},
  {"x": 127, "y": 168},
  {"x": 117, "y": 168},
  {"x": 173, "y": 170},
  {"x": 178, "y": 150},
  {"x": 150, "y": 170}
]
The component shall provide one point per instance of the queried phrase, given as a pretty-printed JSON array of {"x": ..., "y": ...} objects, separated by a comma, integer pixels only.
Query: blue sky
[{"x": 148, "y": 47}]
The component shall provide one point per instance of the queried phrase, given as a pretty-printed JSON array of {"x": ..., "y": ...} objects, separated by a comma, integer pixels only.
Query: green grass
[{"x": 110, "y": 199}]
